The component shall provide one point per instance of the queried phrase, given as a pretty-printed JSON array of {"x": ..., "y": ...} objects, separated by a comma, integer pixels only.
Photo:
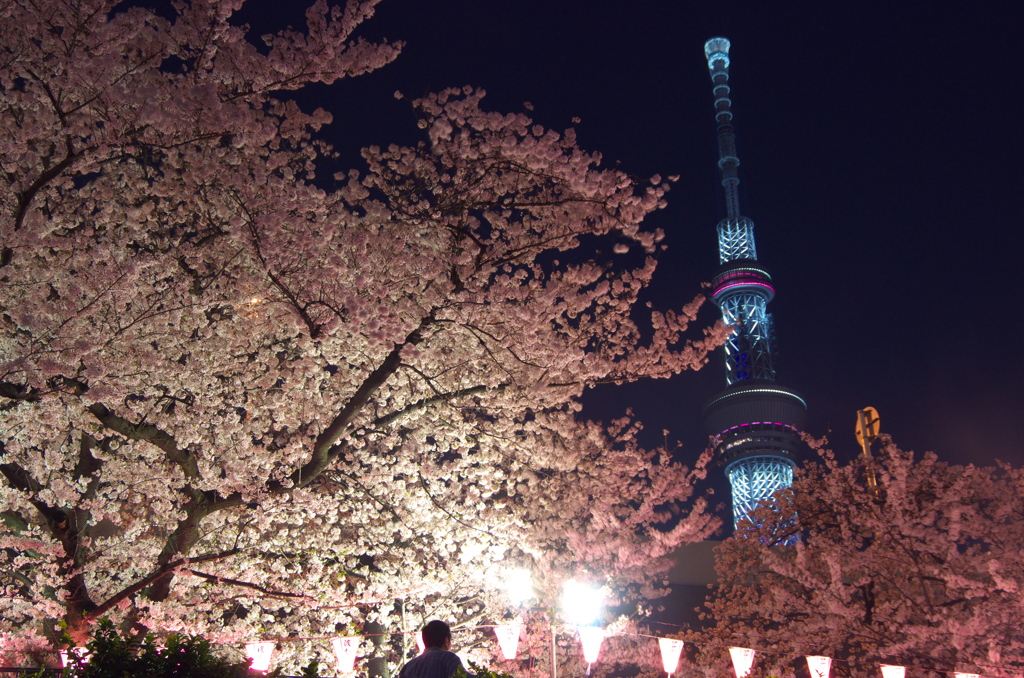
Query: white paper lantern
[
  {"x": 80, "y": 652},
  {"x": 819, "y": 666},
  {"x": 508, "y": 638},
  {"x": 670, "y": 651},
  {"x": 345, "y": 651},
  {"x": 260, "y": 654},
  {"x": 891, "y": 671},
  {"x": 743, "y": 660},
  {"x": 591, "y": 637}
]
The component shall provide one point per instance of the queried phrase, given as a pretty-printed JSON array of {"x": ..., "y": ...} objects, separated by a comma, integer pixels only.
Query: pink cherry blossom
[
  {"x": 235, "y": 403},
  {"x": 925, "y": 572}
]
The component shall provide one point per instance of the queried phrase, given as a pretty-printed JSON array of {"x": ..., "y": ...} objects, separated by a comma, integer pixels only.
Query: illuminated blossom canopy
[
  {"x": 926, "y": 573},
  {"x": 242, "y": 399}
]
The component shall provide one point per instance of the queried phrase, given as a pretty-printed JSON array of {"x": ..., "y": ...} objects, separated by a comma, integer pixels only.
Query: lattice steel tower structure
[{"x": 755, "y": 423}]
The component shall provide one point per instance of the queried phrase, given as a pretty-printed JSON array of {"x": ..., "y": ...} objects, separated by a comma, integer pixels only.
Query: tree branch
[
  {"x": 250, "y": 585},
  {"x": 162, "y": 572},
  {"x": 18, "y": 392},
  {"x": 65, "y": 528},
  {"x": 323, "y": 447},
  {"x": 433, "y": 400},
  {"x": 149, "y": 433},
  {"x": 25, "y": 197}
]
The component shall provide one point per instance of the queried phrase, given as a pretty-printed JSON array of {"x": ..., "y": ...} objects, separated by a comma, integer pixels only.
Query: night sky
[{"x": 880, "y": 147}]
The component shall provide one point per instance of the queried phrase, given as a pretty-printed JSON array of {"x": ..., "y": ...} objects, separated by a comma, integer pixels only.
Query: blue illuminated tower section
[{"x": 755, "y": 423}]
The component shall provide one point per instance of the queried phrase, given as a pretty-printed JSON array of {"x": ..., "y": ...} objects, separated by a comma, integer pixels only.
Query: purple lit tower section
[{"x": 754, "y": 422}]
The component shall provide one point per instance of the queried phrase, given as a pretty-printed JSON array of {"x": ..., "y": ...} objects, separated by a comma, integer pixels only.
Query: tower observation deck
[{"x": 755, "y": 423}]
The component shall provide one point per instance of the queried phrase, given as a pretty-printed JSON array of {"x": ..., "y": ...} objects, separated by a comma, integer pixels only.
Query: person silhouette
[{"x": 437, "y": 660}]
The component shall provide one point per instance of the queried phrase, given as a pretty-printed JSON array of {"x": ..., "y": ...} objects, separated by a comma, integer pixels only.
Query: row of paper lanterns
[
  {"x": 507, "y": 635},
  {"x": 819, "y": 667},
  {"x": 262, "y": 652}
]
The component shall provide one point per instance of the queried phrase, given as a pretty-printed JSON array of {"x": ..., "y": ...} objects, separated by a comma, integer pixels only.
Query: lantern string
[{"x": 993, "y": 670}]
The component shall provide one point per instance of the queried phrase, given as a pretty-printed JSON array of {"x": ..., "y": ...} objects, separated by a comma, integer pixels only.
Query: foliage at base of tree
[
  {"x": 115, "y": 655},
  {"x": 478, "y": 671}
]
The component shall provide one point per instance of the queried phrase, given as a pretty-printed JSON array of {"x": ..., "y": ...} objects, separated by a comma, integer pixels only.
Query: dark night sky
[{"x": 880, "y": 145}]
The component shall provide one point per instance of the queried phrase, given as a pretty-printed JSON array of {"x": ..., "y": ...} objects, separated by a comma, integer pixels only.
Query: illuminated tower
[{"x": 755, "y": 423}]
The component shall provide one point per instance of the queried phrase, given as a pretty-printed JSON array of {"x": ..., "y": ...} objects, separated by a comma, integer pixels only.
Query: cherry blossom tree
[
  {"x": 926, "y": 572},
  {"x": 242, "y": 398}
]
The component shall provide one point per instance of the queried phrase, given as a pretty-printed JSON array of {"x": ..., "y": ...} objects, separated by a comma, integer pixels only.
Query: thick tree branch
[
  {"x": 66, "y": 529},
  {"x": 323, "y": 446},
  {"x": 149, "y": 433},
  {"x": 18, "y": 392},
  {"x": 424, "y": 403},
  {"x": 161, "y": 573},
  {"x": 25, "y": 197}
]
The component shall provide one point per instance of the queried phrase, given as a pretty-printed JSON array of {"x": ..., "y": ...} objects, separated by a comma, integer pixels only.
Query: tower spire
[
  {"x": 717, "y": 52},
  {"x": 755, "y": 423}
]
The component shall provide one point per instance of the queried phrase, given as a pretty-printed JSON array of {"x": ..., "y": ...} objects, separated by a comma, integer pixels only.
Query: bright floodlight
[
  {"x": 581, "y": 603},
  {"x": 518, "y": 586}
]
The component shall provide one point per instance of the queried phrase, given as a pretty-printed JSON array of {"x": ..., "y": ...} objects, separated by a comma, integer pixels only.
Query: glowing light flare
[
  {"x": 751, "y": 283},
  {"x": 670, "y": 651},
  {"x": 891, "y": 671},
  {"x": 82, "y": 653},
  {"x": 420, "y": 645},
  {"x": 819, "y": 666},
  {"x": 743, "y": 661},
  {"x": 591, "y": 637},
  {"x": 518, "y": 586},
  {"x": 508, "y": 638},
  {"x": 755, "y": 390},
  {"x": 260, "y": 653},
  {"x": 581, "y": 603},
  {"x": 345, "y": 648}
]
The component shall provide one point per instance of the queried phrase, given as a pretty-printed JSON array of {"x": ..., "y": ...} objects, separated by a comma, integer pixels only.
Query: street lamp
[
  {"x": 581, "y": 606},
  {"x": 581, "y": 603},
  {"x": 518, "y": 586}
]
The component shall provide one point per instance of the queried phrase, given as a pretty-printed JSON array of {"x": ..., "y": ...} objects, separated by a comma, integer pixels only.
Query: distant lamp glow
[
  {"x": 518, "y": 586},
  {"x": 819, "y": 666},
  {"x": 80, "y": 652},
  {"x": 508, "y": 638},
  {"x": 743, "y": 660},
  {"x": 890, "y": 671},
  {"x": 345, "y": 651},
  {"x": 260, "y": 654},
  {"x": 670, "y": 651},
  {"x": 581, "y": 603},
  {"x": 420, "y": 645},
  {"x": 591, "y": 638}
]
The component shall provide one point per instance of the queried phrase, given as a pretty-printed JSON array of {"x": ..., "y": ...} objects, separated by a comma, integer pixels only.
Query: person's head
[{"x": 437, "y": 634}]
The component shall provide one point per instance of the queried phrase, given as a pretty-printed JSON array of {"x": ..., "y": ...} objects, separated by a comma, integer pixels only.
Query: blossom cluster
[{"x": 234, "y": 400}]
